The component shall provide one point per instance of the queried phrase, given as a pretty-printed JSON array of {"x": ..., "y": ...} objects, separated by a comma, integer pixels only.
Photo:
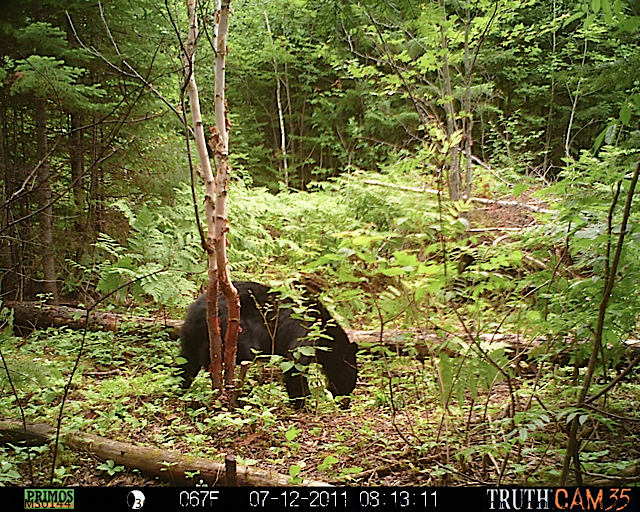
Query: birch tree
[{"x": 216, "y": 190}]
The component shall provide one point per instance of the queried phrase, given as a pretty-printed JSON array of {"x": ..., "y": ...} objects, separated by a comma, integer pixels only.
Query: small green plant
[
  {"x": 62, "y": 474},
  {"x": 110, "y": 467},
  {"x": 328, "y": 463},
  {"x": 294, "y": 471},
  {"x": 290, "y": 435},
  {"x": 9, "y": 473}
]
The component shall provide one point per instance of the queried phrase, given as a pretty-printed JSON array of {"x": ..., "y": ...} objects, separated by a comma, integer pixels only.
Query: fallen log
[
  {"x": 169, "y": 466},
  {"x": 34, "y": 315},
  {"x": 480, "y": 200}
]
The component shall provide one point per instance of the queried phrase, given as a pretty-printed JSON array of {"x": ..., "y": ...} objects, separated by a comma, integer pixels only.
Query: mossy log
[
  {"x": 169, "y": 466},
  {"x": 35, "y": 315}
]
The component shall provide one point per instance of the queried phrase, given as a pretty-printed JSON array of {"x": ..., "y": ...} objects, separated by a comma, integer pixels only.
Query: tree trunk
[
  {"x": 76, "y": 161},
  {"x": 8, "y": 174},
  {"x": 213, "y": 322},
  {"x": 454, "y": 178},
  {"x": 46, "y": 216},
  {"x": 546, "y": 162},
  {"x": 466, "y": 107},
  {"x": 574, "y": 104},
  {"x": 17, "y": 202},
  {"x": 215, "y": 201},
  {"x": 283, "y": 138},
  {"x": 34, "y": 315},
  {"x": 221, "y": 150}
]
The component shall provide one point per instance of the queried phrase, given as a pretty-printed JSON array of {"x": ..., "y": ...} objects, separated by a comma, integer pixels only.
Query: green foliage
[
  {"x": 163, "y": 249},
  {"x": 28, "y": 374},
  {"x": 45, "y": 72},
  {"x": 290, "y": 229},
  {"x": 330, "y": 126},
  {"x": 587, "y": 225},
  {"x": 110, "y": 467},
  {"x": 476, "y": 368},
  {"x": 8, "y": 472},
  {"x": 47, "y": 76}
]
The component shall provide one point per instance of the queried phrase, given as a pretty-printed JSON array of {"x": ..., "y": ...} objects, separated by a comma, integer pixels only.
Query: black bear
[{"x": 268, "y": 327}]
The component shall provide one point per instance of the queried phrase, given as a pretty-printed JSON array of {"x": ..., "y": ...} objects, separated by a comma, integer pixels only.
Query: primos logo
[{"x": 48, "y": 498}]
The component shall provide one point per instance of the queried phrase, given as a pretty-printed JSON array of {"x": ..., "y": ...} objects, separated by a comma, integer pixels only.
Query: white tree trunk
[
  {"x": 283, "y": 138},
  {"x": 215, "y": 341},
  {"x": 221, "y": 151}
]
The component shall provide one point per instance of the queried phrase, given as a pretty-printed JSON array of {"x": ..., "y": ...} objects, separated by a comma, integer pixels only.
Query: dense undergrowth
[{"x": 485, "y": 320}]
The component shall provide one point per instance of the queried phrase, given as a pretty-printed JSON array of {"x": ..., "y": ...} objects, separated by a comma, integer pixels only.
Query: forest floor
[
  {"x": 403, "y": 441},
  {"x": 395, "y": 432}
]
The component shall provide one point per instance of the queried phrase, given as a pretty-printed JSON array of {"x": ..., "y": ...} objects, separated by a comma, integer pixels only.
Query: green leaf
[
  {"x": 519, "y": 189},
  {"x": 588, "y": 21},
  {"x": 394, "y": 271},
  {"x": 287, "y": 365},
  {"x": 327, "y": 463},
  {"x": 625, "y": 114},
  {"x": 404, "y": 259},
  {"x": 572, "y": 18},
  {"x": 307, "y": 351},
  {"x": 292, "y": 433}
]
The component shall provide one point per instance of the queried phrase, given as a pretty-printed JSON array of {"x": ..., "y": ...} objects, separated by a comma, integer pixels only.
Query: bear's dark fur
[{"x": 269, "y": 328}]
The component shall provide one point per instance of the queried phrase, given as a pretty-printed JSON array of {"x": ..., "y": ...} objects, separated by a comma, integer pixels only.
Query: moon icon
[{"x": 135, "y": 500}]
